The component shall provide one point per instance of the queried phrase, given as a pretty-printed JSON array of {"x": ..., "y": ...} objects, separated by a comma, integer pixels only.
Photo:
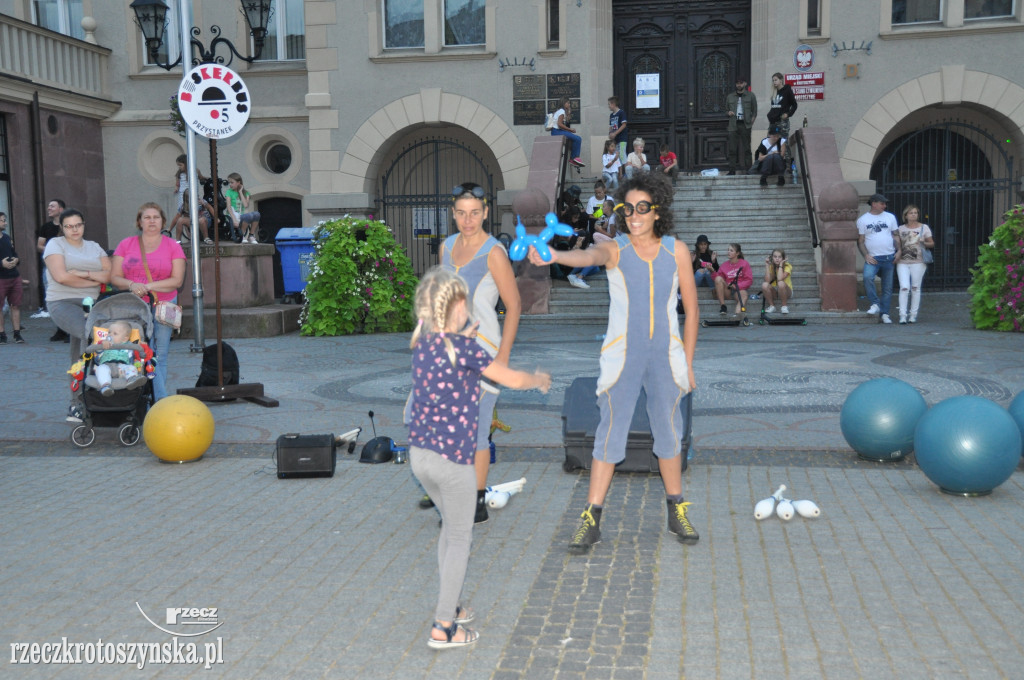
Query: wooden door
[{"x": 696, "y": 49}]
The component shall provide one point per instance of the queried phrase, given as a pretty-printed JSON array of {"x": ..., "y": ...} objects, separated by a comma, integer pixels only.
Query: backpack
[
  {"x": 550, "y": 122},
  {"x": 208, "y": 370}
]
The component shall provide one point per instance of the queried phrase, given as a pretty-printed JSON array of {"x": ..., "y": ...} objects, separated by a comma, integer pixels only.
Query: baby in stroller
[
  {"x": 115, "y": 363},
  {"x": 114, "y": 369}
]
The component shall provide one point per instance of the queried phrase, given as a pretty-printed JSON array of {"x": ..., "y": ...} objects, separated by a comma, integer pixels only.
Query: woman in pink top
[
  {"x": 736, "y": 275},
  {"x": 165, "y": 262}
]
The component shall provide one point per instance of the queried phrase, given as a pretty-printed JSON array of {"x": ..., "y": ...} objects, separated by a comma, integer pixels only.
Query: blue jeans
[
  {"x": 584, "y": 272},
  {"x": 577, "y": 141},
  {"x": 883, "y": 269},
  {"x": 161, "y": 349},
  {"x": 702, "y": 277}
]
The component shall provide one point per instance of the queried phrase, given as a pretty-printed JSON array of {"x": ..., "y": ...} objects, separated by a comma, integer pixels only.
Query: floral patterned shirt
[{"x": 445, "y": 397}]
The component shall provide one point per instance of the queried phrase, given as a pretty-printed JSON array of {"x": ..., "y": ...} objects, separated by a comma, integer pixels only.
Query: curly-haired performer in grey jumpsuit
[{"x": 643, "y": 346}]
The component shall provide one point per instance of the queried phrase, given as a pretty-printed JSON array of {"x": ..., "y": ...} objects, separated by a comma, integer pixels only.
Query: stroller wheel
[
  {"x": 83, "y": 436},
  {"x": 129, "y": 434}
]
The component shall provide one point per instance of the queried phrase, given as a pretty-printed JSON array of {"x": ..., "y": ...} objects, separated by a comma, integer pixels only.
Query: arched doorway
[
  {"x": 694, "y": 51},
  {"x": 962, "y": 179},
  {"x": 416, "y": 193},
  {"x": 276, "y": 213}
]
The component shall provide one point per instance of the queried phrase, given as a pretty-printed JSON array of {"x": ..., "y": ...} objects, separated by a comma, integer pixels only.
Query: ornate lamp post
[{"x": 151, "y": 18}]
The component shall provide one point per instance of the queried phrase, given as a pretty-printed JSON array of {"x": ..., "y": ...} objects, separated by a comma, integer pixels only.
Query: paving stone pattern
[{"x": 336, "y": 578}]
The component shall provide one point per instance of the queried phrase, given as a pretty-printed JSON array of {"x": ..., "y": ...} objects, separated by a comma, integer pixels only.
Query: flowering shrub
[
  {"x": 177, "y": 122},
  {"x": 997, "y": 291},
  {"x": 361, "y": 281}
]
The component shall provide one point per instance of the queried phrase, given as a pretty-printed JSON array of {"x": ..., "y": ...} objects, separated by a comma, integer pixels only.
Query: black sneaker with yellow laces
[
  {"x": 679, "y": 524},
  {"x": 588, "y": 533}
]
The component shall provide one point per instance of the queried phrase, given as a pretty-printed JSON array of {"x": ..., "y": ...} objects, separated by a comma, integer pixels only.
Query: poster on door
[{"x": 648, "y": 90}]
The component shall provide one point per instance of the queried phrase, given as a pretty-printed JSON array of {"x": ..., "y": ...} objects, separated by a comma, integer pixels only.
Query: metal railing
[
  {"x": 801, "y": 161},
  {"x": 53, "y": 60}
]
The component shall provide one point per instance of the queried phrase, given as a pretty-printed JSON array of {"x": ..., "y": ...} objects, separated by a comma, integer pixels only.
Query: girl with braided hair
[{"x": 447, "y": 364}]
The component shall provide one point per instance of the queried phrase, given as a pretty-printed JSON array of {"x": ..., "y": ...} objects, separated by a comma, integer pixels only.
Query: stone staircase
[{"x": 728, "y": 210}]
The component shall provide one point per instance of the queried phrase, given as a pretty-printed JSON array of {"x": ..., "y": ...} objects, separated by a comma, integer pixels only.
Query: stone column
[
  {"x": 837, "y": 232},
  {"x": 531, "y": 205}
]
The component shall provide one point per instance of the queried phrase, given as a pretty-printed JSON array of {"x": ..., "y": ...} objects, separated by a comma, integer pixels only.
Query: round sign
[
  {"x": 803, "y": 58},
  {"x": 214, "y": 101}
]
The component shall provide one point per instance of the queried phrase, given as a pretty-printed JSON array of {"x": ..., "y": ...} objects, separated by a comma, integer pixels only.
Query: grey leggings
[
  {"x": 70, "y": 318},
  {"x": 452, "y": 487}
]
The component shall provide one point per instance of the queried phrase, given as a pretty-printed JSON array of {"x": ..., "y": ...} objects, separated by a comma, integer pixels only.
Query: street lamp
[{"x": 151, "y": 18}]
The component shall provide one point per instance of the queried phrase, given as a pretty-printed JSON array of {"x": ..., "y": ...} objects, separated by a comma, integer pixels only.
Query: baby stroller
[{"x": 126, "y": 408}]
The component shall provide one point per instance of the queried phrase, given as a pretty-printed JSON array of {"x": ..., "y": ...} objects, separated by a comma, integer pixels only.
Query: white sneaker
[
  {"x": 873, "y": 309},
  {"x": 770, "y": 310},
  {"x": 913, "y": 319},
  {"x": 41, "y": 314},
  {"x": 572, "y": 279},
  {"x": 886, "y": 319},
  {"x": 784, "y": 309},
  {"x": 581, "y": 283}
]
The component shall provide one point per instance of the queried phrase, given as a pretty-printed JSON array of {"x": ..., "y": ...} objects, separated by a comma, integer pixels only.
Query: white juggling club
[
  {"x": 765, "y": 507},
  {"x": 806, "y": 508},
  {"x": 497, "y": 496},
  {"x": 784, "y": 509}
]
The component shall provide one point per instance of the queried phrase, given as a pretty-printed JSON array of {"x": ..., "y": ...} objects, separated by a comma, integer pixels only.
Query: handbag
[
  {"x": 926, "y": 256},
  {"x": 164, "y": 312}
]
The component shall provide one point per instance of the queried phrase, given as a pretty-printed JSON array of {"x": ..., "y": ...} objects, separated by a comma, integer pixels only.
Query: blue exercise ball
[
  {"x": 1016, "y": 410},
  {"x": 879, "y": 416},
  {"x": 967, "y": 445}
]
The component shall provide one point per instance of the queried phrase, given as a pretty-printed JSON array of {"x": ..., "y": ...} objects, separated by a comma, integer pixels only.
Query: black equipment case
[
  {"x": 306, "y": 455},
  {"x": 580, "y": 416}
]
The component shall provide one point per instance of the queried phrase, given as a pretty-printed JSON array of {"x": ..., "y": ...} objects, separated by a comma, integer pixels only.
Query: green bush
[
  {"x": 997, "y": 290},
  {"x": 361, "y": 281}
]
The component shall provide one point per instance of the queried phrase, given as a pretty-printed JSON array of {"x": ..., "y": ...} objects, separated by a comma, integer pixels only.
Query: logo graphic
[
  {"x": 214, "y": 101},
  {"x": 205, "y": 617},
  {"x": 803, "y": 58}
]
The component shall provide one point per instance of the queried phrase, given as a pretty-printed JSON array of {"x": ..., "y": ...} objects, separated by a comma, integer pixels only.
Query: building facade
[{"x": 381, "y": 106}]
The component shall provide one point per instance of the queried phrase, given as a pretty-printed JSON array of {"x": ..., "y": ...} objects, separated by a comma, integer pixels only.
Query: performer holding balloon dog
[
  {"x": 643, "y": 346},
  {"x": 481, "y": 260},
  {"x": 447, "y": 365}
]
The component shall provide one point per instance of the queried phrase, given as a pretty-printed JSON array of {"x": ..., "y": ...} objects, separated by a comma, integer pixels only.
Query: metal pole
[{"x": 198, "y": 334}]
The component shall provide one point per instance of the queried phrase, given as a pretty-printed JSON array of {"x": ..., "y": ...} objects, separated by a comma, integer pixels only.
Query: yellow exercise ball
[{"x": 178, "y": 429}]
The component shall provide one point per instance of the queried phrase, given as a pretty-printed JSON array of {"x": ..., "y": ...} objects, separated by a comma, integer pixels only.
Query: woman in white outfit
[{"x": 914, "y": 238}]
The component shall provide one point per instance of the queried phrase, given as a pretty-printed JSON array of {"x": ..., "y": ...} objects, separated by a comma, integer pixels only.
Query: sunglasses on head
[
  {"x": 642, "y": 208},
  {"x": 475, "y": 189}
]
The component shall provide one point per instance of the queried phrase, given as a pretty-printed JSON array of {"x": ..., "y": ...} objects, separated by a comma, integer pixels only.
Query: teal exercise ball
[
  {"x": 967, "y": 445},
  {"x": 1016, "y": 410},
  {"x": 879, "y": 416}
]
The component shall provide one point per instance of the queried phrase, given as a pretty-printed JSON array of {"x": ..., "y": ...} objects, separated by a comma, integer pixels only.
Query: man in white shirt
[{"x": 879, "y": 243}]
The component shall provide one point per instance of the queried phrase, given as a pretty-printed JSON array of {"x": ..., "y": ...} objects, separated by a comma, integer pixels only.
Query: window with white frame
[
  {"x": 553, "y": 31},
  {"x": 813, "y": 17},
  {"x": 286, "y": 32},
  {"x": 916, "y": 11},
  {"x": 170, "y": 48},
  {"x": 403, "y": 24},
  {"x": 464, "y": 22},
  {"x": 62, "y": 16},
  {"x": 989, "y": 9}
]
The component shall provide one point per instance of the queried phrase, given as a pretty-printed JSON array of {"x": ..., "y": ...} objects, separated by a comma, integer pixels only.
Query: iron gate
[
  {"x": 416, "y": 194},
  {"x": 961, "y": 178}
]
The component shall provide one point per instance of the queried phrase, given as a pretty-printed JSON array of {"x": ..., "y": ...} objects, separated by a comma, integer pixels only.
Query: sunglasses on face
[
  {"x": 475, "y": 189},
  {"x": 642, "y": 208}
]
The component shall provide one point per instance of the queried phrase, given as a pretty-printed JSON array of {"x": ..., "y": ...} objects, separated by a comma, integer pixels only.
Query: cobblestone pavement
[{"x": 337, "y": 577}]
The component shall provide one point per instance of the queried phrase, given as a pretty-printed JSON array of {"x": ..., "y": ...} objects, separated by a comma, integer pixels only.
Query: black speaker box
[{"x": 306, "y": 455}]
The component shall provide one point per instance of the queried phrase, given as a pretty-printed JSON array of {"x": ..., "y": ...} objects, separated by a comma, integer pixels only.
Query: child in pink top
[{"x": 734, "y": 276}]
